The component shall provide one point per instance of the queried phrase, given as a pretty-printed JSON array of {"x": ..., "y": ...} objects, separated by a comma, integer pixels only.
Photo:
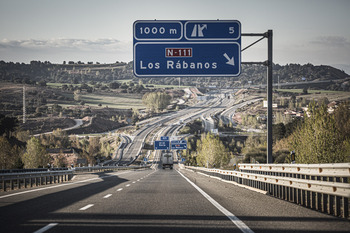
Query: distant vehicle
[{"x": 167, "y": 159}]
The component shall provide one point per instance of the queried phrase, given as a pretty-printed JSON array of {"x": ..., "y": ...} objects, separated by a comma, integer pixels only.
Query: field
[
  {"x": 319, "y": 94},
  {"x": 125, "y": 101}
]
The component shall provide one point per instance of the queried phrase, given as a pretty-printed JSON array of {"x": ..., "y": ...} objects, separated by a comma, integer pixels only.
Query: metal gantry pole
[
  {"x": 269, "y": 64},
  {"x": 269, "y": 96}
]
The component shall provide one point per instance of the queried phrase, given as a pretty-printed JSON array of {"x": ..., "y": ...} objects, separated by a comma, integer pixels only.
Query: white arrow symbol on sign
[{"x": 230, "y": 61}]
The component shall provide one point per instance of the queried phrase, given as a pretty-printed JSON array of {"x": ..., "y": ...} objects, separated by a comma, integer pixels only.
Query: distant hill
[{"x": 77, "y": 73}]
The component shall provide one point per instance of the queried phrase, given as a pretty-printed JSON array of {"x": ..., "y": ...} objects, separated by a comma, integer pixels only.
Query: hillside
[{"x": 77, "y": 73}]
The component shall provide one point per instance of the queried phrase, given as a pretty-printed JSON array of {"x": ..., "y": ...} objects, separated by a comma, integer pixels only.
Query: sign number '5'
[{"x": 231, "y": 30}]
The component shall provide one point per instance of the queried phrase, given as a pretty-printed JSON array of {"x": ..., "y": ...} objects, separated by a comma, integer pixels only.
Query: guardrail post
[
  {"x": 18, "y": 182},
  {"x": 345, "y": 205},
  {"x": 4, "y": 184},
  {"x": 12, "y": 185}
]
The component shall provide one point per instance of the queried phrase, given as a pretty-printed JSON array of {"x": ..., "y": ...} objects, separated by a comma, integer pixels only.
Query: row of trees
[
  {"x": 323, "y": 137},
  {"x": 25, "y": 152}
]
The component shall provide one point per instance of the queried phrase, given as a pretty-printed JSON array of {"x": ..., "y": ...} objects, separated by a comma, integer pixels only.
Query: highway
[{"x": 155, "y": 201}]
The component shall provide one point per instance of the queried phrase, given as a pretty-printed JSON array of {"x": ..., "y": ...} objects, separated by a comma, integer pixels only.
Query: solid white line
[
  {"x": 56, "y": 186},
  {"x": 47, "y": 227},
  {"x": 107, "y": 196},
  {"x": 241, "y": 225},
  {"x": 120, "y": 189},
  {"x": 87, "y": 207}
]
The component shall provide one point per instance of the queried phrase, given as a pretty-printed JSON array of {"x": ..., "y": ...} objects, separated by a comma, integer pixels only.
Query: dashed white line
[
  {"x": 127, "y": 185},
  {"x": 120, "y": 189},
  {"x": 107, "y": 196},
  {"x": 46, "y": 228},
  {"x": 87, "y": 207},
  {"x": 134, "y": 182}
]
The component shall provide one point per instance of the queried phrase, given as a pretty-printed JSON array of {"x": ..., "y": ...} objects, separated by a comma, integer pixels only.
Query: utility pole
[{"x": 24, "y": 104}]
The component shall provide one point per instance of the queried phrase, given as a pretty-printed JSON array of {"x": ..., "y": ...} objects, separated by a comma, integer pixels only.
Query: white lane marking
[
  {"x": 127, "y": 185},
  {"x": 134, "y": 182},
  {"x": 120, "y": 189},
  {"x": 107, "y": 196},
  {"x": 60, "y": 185},
  {"x": 241, "y": 225},
  {"x": 138, "y": 180},
  {"x": 87, "y": 207},
  {"x": 47, "y": 227}
]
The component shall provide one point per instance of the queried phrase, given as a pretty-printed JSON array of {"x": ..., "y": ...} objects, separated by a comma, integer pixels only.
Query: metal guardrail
[
  {"x": 11, "y": 181},
  {"x": 322, "y": 187}
]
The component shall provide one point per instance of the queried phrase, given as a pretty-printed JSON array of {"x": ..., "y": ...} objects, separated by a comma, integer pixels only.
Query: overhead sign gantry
[{"x": 187, "y": 48}]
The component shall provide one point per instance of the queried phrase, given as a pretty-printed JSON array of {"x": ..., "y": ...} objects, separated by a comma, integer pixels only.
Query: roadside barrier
[
  {"x": 322, "y": 187},
  {"x": 11, "y": 181}
]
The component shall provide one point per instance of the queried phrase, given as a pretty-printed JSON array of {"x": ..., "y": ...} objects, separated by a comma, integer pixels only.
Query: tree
[
  {"x": 211, "y": 151},
  {"x": 7, "y": 125},
  {"x": 156, "y": 101},
  {"x": 321, "y": 138},
  {"x": 114, "y": 85},
  {"x": 35, "y": 155},
  {"x": 7, "y": 155},
  {"x": 77, "y": 96}
]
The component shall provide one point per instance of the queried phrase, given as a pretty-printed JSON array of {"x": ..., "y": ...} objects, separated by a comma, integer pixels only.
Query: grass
[{"x": 121, "y": 102}]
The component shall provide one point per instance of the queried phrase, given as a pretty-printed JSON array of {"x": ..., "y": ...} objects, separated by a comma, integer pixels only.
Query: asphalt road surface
[{"x": 155, "y": 201}]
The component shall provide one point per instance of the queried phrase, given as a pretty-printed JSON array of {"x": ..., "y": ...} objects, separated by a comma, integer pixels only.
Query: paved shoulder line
[
  {"x": 241, "y": 225},
  {"x": 46, "y": 228}
]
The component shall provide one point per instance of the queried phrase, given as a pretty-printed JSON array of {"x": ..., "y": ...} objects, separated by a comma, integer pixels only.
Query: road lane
[
  {"x": 157, "y": 201},
  {"x": 27, "y": 212},
  {"x": 266, "y": 214}
]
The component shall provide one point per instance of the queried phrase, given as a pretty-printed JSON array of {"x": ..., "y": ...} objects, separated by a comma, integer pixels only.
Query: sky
[{"x": 304, "y": 31}]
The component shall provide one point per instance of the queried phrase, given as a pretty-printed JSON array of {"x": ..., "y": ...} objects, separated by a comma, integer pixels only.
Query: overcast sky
[{"x": 305, "y": 31}]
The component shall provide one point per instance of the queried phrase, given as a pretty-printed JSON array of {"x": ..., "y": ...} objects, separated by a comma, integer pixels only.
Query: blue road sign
[
  {"x": 164, "y": 138},
  {"x": 158, "y": 30},
  {"x": 187, "y": 48},
  {"x": 213, "y": 30},
  {"x": 179, "y": 145},
  {"x": 161, "y": 145},
  {"x": 203, "y": 59}
]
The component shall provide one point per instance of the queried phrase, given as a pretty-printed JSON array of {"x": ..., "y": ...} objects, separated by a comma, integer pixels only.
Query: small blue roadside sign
[
  {"x": 187, "y": 48},
  {"x": 179, "y": 145},
  {"x": 164, "y": 138},
  {"x": 161, "y": 145}
]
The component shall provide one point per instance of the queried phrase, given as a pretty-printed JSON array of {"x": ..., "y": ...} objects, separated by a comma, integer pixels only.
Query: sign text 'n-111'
[{"x": 187, "y": 48}]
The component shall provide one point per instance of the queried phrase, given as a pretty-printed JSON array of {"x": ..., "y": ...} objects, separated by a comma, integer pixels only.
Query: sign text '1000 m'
[{"x": 187, "y": 48}]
